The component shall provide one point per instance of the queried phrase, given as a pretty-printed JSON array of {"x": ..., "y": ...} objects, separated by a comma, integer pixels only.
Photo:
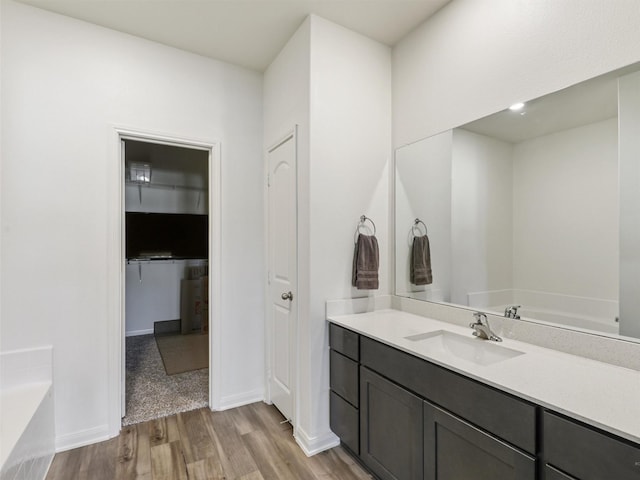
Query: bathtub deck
[{"x": 19, "y": 404}]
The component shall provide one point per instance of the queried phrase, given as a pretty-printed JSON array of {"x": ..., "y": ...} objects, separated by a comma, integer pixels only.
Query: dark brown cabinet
[
  {"x": 345, "y": 422},
  {"x": 504, "y": 415},
  {"x": 587, "y": 454},
  {"x": 390, "y": 428},
  {"x": 344, "y": 377},
  {"x": 465, "y": 430},
  {"x": 455, "y": 449},
  {"x": 344, "y": 380},
  {"x": 408, "y": 419},
  {"x": 551, "y": 473}
]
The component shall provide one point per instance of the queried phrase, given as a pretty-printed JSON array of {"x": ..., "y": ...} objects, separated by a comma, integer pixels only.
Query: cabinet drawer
[
  {"x": 455, "y": 449},
  {"x": 586, "y": 453},
  {"x": 345, "y": 423},
  {"x": 509, "y": 418},
  {"x": 344, "y": 341},
  {"x": 551, "y": 473},
  {"x": 344, "y": 377}
]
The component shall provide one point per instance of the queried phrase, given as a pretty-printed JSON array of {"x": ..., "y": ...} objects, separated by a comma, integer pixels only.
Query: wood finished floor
[{"x": 246, "y": 443}]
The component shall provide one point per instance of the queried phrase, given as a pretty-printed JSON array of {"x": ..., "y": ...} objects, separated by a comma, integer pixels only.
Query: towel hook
[
  {"x": 416, "y": 226},
  {"x": 363, "y": 219}
]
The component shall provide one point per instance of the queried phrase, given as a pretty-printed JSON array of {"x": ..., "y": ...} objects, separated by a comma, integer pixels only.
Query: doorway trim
[{"x": 116, "y": 265}]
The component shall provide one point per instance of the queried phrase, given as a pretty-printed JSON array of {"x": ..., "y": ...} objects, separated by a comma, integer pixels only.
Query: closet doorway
[{"x": 166, "y": 245}]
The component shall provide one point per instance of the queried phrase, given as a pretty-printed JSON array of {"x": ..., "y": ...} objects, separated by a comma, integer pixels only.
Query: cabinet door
[
  {"x": 344, "y": 420},
  {"x": 505, "y": 416},
  {"x": 551, "y": 473},
  {"x": 455, "y": 450},
  {"x": 586, "y": 453},
  {"x": 390, "y": 428}
]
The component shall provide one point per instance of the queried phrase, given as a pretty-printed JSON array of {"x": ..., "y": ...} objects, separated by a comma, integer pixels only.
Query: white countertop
[{"x": 597, "y": 393}]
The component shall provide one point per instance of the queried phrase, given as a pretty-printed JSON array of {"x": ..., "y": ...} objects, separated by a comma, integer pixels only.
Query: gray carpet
[{"x": 151, "y": 393}]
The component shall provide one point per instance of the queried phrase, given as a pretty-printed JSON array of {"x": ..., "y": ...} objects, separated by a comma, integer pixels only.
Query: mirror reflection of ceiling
[{"x": 587, "y": 102}]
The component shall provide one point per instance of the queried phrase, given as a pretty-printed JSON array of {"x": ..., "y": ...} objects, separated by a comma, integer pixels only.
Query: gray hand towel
[
  {"x": 365, "y": 263},
  {"x": 420, "y": 270}
]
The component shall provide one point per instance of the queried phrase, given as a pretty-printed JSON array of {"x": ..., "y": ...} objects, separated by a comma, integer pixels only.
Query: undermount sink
[{"x": 471, "y": 349}]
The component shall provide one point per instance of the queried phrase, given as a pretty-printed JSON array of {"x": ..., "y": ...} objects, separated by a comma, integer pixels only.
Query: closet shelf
[
  {"x": 160, "y": 259},
  {"x": 166, "y": 186}
]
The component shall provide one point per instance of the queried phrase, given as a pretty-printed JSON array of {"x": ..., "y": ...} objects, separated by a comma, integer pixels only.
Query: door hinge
[
  {"x": 268, "y": 277},
  {"x": 268, "y": 180}
]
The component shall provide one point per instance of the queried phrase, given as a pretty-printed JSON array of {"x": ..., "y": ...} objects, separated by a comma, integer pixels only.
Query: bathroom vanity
[{"x": 416, "y": 398}]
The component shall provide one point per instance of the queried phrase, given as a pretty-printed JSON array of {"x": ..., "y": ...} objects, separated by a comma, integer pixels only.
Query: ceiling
[{"x": 249, "y": 33}]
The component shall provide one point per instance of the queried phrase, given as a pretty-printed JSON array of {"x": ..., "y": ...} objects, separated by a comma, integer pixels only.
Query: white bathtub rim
[{"x": 19, "y": 405}]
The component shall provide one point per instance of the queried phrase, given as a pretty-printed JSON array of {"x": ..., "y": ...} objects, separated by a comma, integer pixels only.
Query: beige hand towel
[
  {"x": 420, "y": 270},
  {"x": 365, "y": 263}
]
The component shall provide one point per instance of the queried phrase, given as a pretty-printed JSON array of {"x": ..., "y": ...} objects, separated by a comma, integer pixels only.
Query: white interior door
[{"x": 282, "y": 273}]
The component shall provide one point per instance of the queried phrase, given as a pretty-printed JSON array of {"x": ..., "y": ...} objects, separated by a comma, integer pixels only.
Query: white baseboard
[
  {"x": 135, "y": 333},
  {"x": 312, "y": 445},
  {"x": 240, "y": 399},
  {"x": 82, "y": 438}
]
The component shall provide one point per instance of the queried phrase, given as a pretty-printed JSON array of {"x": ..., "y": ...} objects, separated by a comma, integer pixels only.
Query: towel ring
[
  {"x": 416, "y": 226},
  {"x": 363, "y": 219}
]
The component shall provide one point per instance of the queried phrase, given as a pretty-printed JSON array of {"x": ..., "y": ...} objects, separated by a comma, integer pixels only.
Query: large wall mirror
[{"x": 537, "y": 207}]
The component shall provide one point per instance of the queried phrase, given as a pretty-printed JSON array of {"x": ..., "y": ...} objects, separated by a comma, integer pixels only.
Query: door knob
[{"x": 287, "y": 296}]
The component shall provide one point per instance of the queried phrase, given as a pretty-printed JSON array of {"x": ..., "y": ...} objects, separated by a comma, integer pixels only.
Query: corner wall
[
  {"x": 336, "y": 86},
  {"x": 65, "y": 85},
  {"x": 350, "y": 150},
  {"x": 286, "y": 94}
]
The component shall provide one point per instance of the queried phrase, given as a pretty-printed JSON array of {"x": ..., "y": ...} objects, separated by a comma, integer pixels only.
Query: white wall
[
  {"x": 481, "y": 215},
  {"x": 64, "y": 84},
  {"x": 350, "y": 149},
  {"x": 423, "y": 190},
  {"x": 565, "y": 212},
  {"x": 153, "y": 293},
  {"x": 475, "y": 58},
  {"x": 166, "y": 200}
]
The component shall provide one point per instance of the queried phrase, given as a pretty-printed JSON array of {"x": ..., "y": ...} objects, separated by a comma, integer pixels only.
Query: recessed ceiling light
[{"x": 516, "y": 106}]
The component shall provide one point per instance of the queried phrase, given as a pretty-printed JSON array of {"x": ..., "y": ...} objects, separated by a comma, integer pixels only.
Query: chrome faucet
[
  {"x": 512, "y": 312},
  {"x": 481, "y": 328}
]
